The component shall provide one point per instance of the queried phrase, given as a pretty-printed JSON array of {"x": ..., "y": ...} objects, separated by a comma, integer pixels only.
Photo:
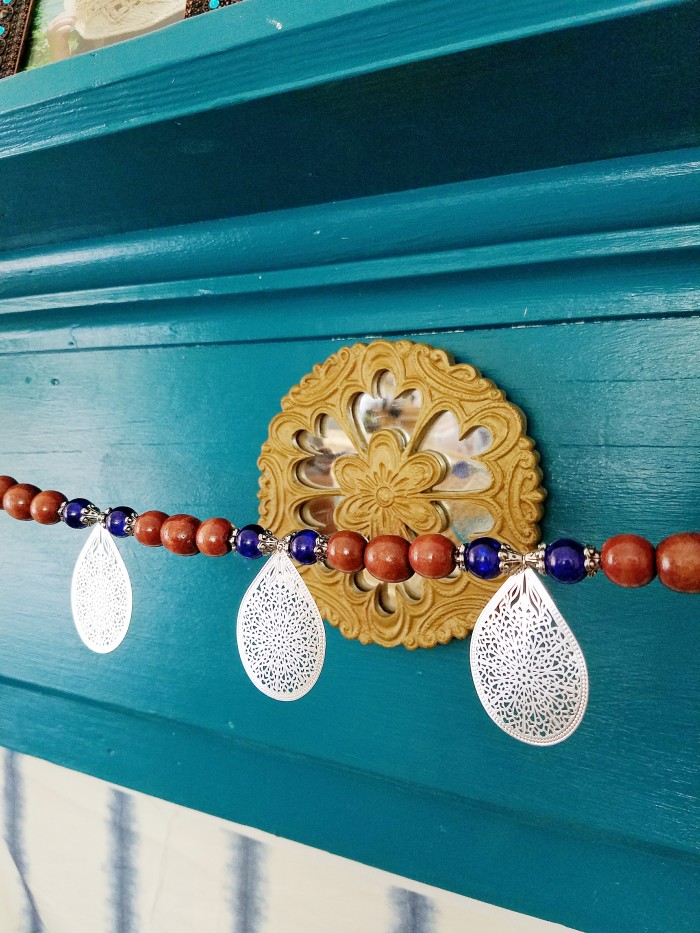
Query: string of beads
[{"x": 627, "y": 560}]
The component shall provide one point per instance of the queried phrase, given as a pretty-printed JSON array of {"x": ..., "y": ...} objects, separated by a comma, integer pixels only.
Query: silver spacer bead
[
  {"x": 535, "y": 559},
  {"x": 102, "y": 517},
  {"x": 510, "y": 560},
  {"x": 269, "y": 543},
  {"x": 232, "y": 538},
  {"x": 460, "y": 553},
  {"x": 62, "y": 510},
  {"x": 321, "y": 547},
  {"x": 129, "y": 524},
  {"x": 592, "y": 560},
  {"x": 90, "y": 515}
]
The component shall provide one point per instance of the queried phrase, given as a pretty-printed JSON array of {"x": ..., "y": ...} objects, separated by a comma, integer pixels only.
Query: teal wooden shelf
[
  {"x": 226, "y": 115},
  {"x": 264, "y": 48},
  {"x": 188, "y": 223}
]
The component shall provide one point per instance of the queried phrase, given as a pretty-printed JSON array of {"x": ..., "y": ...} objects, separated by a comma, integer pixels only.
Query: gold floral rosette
[{"x": 393, "y": 438}]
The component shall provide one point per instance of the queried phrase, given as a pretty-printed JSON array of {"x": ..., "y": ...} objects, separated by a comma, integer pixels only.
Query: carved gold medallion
[{"x": 394, "y": 438}]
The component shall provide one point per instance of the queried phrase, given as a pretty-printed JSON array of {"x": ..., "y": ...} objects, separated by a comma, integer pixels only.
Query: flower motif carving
[
  {"x": 392, "y": 438},
  {"x": 381, "y": 488}
]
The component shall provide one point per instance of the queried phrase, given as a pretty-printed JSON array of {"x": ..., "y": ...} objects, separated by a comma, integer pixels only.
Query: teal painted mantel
[{"x": 188, "y": 223}]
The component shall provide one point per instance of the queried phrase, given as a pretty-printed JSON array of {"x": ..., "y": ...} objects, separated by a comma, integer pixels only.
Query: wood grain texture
[
  {"x": 267, "y": 47},
  {"x": 15, "y": 20},
  {"x": 178, "y": 665},
  {"x": 433, "y": 120},
  {"x": 639, "y": 204},
  {"x": 494, "y": 853},
  {"x": 147, "y": 343}
]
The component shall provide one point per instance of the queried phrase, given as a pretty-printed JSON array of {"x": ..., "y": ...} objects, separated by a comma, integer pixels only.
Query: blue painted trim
[
  {"x": 405, "y": 828},
  {"x": 241, "y": 55},
  {"x": 648, "y": 287},
  {"x": 443, "y": 118},
  {"x": 531, "y": 253},
  {"x": 482, "y": 267},
  {"x": 619, "y": 206}
]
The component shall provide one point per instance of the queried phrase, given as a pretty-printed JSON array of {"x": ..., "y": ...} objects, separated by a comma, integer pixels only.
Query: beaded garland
[
  {"x": 528, "y": 669},
  {"x": 627, "y": 560}
]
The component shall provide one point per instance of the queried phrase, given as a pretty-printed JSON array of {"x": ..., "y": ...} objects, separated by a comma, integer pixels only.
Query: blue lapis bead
[
  {"x": 73, "y": 512},
  {"x": 565, "y": 561},
  {"x": 302, "y": 545},
  {"x": 117, "y": 519},
  {"x": 248, "y": 541},
  {"x": 482, "y": 558}
]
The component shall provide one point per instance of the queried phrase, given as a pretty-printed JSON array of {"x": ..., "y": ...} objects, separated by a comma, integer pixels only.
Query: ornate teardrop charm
[
  {"x": 528, "y": 668},
  {"x": 280, "y": 633},
  {"x": 101, "y": 593}
]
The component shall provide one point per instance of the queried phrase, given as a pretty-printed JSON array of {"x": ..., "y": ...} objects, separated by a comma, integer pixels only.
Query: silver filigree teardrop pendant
[
  {"x": 528, "y": 669},
  {"x": 280, "y": 633},
  {"x": 101, "y": 593}
]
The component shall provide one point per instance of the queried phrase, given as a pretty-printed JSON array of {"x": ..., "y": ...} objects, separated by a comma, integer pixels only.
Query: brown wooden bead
[
  {"x": 432, "y": 556},
  {"x": 214, "y": 537},
  {"x": 18, "y": 499},
  {"x": 179, "y": 534},
  {"x": 346, "y": 551},
  {"x": 386, "y": 558},
  {"x": 628, "y": 560},
  {"x": 45, "y": 506},
  {"x": 678, "y": 562},
  {"x": 147, "y": 528},
  {"x": 5, "y": 483}
]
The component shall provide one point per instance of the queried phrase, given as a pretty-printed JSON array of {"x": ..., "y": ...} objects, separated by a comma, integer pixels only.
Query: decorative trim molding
[
  {"x": 616, "y": 239},
  {"x": 638, "y": 204},
  {"x": 641, "y": 207}
]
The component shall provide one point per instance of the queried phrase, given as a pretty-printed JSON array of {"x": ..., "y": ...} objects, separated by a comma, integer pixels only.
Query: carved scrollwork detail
[{"x": 394, "y": 438}]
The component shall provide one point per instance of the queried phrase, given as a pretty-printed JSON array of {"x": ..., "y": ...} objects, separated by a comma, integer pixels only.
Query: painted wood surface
[
  {"x": 267, "y": 48},
  {"x": 141, "y": 362},
  {"x": 419, "y": 120}
]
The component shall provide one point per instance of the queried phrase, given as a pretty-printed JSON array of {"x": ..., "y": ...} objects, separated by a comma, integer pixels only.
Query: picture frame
[
  {"x": 23, "y": 40},
  {"x": 195, "y": 7},
  {"x": 15, "y": 18}
]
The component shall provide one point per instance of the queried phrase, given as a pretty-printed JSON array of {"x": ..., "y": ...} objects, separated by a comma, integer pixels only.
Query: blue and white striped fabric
[{"x": 83, "y": 856}]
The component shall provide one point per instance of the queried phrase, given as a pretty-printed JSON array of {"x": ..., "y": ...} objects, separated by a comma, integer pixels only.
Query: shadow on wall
[{"x": 81, "y": 854}]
